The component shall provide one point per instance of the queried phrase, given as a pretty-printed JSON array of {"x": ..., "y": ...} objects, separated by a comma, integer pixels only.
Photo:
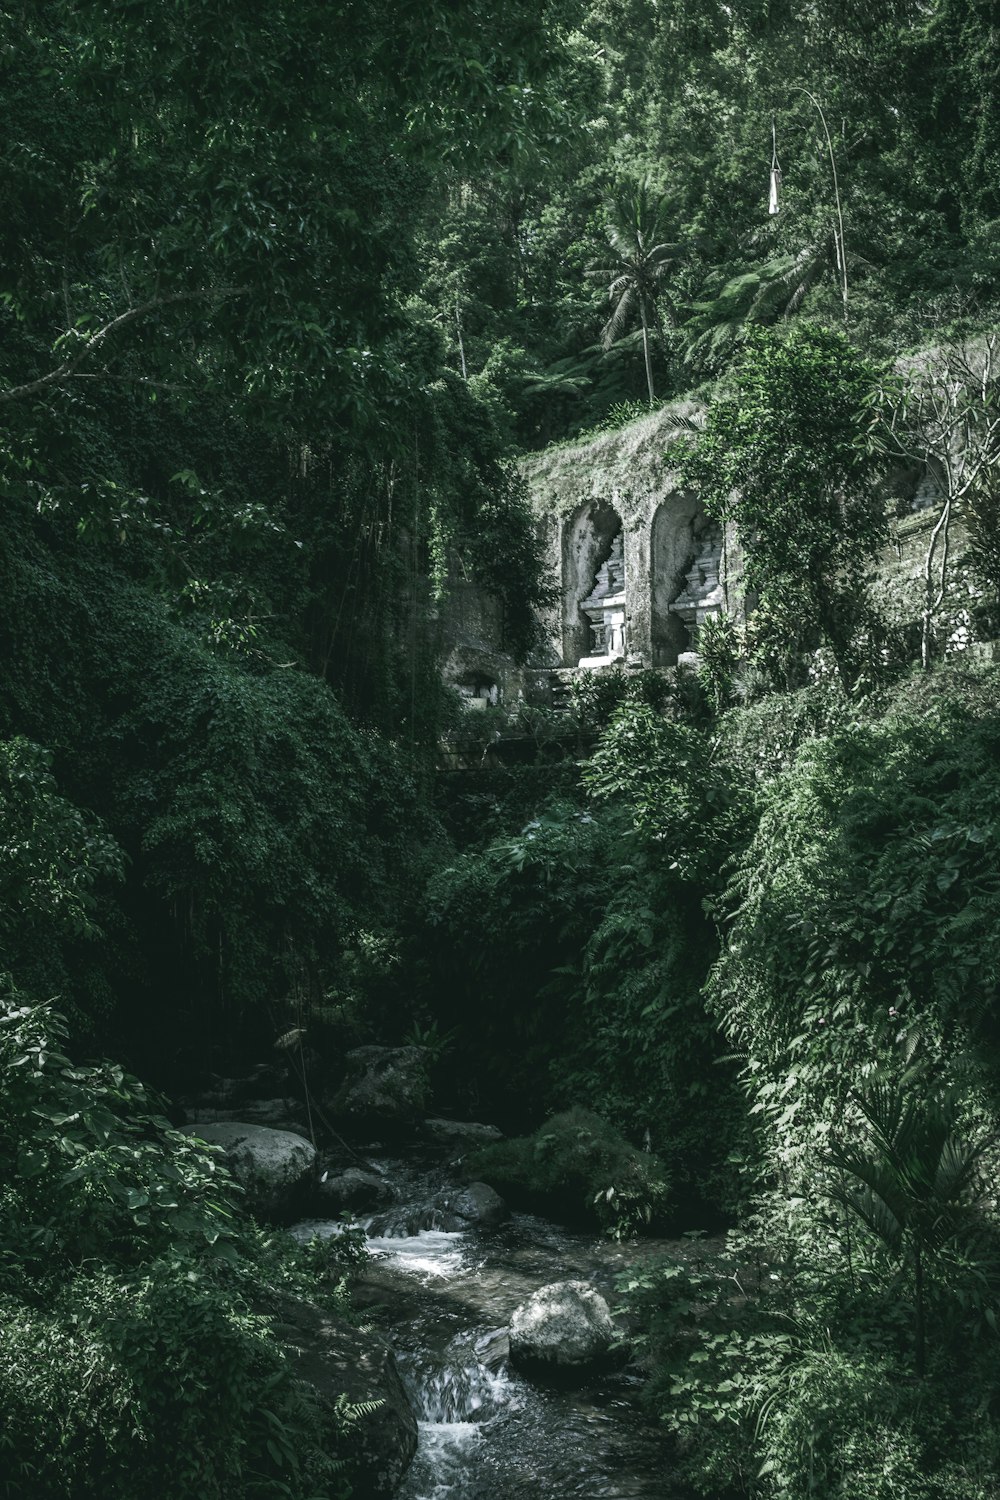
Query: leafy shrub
[
  {"x": 756, "y": 741},
  {"x": 257, "y": 826},
  {"x": 866, "y": 914},
  {"x": 644, "y": 1050},
  {"x": 678, "y": 797},
  {"x": 776, "y": 1381},
  {"x": 58, "y": 865},
  {"x": 498, "y": 926},
  {"x": 785, "y": 456},
  {"x": 857, "y": 982},
  {"x": 595, "y": 696},
  {"x": 570, "y": 957},
  {"x": 138, "y": 1357},
  {"x": 577, "y": 1163}
]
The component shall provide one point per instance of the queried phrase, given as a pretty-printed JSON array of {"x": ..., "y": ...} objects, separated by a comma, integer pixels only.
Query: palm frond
[{"x": 620, "y": 317}]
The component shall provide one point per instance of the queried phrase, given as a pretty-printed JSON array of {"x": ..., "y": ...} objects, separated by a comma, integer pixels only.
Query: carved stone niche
[
  {"x": 591, "y": 577},
  {"x": 702, "y": 597},
  {"x": 605, "y": 609},
  {"x": 478, "y": 691}
]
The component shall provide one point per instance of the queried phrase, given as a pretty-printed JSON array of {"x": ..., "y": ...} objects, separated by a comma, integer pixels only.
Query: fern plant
[{"x": 912, "y": 1180}]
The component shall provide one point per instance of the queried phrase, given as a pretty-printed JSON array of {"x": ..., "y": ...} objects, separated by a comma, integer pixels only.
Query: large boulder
[
  {"x": 355, "y": 1189},
  {"x": 337, "y": 1360},
  {"x": 384, "y": 1085},
  {"x": 576, "y": 1166},
  {"x": 460, "y": 1135},
  {"x": 275, "y": 1168},
  {"x": 563, "y": 1328},
  {"x": 475, "y": 1205}
]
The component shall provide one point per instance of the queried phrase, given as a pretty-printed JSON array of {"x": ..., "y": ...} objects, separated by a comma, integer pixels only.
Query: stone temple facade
[{"x": 638, "y": 567}]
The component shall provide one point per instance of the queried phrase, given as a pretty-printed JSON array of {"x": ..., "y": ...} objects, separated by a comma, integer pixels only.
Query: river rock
[
  {"x": 476, "y": 1205},
  {"x": 274, "y": 1167},
  {"x": 384, "y": 1085},
  {"x": 462, "y": 1135},
  {"x": 455, "y": 1210},
  {"x": 354, "y": 1189},
  {"x": 563, "y": 1327},
  {"x": 337, "y": 1360}
]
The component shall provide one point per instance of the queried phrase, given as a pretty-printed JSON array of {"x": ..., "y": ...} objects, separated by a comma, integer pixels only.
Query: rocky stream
[
  {"x": 484, "y": 1350},
  {"x": 444, "y": 1298}
]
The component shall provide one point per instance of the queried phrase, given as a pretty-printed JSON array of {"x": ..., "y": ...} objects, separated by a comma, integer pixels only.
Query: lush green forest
[{"x": 286, "y": 292}]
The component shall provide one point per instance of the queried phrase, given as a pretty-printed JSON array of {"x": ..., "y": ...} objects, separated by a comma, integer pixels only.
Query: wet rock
[
  {"x": 389, "y": 1085},
  {"x": 493, "y": 1349},
  {"x": 354, "y": 1189},
  {"x": 337, "y": 1360},
  {"x": 476, "y": 1205},
  {"x": 274, "y": 1167},
  {"x": 564, "y": 1327},
  {"x": 461, "y": 1135},
  {"x": 406, "y": 1222}
]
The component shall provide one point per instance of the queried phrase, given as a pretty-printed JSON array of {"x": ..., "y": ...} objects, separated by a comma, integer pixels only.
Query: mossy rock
[{"x": 578, "y": 1168}]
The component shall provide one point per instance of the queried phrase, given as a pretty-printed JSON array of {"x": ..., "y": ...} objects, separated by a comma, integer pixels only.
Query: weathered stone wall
[
  {"x": 582, "y": 494},
  {"x": 899, "y": 588}
]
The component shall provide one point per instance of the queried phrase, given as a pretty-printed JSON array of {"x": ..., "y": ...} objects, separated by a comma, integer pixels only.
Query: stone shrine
[
  {"x": 605, "y": 609},
  {"x": 703, "y": 595}
]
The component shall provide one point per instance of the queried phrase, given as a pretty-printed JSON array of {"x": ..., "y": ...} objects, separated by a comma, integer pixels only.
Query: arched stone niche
[
  {"x": 588, "y": 540},
  {"x": 685, "y": 560},
  {"x": 478, "y": 690}
]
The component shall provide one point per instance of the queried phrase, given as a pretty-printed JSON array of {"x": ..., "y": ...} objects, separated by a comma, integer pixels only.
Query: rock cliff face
[
  {"x": 637, "y": 566},
  {"x": 623, "y": 483}
]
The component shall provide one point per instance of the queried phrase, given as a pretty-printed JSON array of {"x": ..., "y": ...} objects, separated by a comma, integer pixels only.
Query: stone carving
[
  {"x": 605, "y": 609},
  {"x": 702, "y": 596},
  {"x": 479, "y": 693},
  {"x": 927, "y": 493}
]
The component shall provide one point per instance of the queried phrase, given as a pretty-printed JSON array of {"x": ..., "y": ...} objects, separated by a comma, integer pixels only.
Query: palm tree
[
  {"x": 912, "y": 1181},
  {"x": 642, "y": 258}
]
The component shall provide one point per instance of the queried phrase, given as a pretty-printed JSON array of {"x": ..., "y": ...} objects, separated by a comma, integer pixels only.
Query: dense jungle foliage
[{"x": 285, "y": 291}]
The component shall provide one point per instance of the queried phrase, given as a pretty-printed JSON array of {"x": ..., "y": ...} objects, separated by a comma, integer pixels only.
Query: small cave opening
[{"x": 477, "y": 691}]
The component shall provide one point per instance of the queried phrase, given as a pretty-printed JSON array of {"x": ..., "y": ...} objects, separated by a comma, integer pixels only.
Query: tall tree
[
  {"x": 635, "y": 226},
  {"x": 945, "y": 415}
]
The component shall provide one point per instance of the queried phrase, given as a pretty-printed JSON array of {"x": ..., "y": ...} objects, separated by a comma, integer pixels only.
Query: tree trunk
[
  {"x": 645, "y": 350},
  {"x": 932, "y": 602},
  {"x": 918, "y": 1279},
  {"x": 461, "y": 345}
]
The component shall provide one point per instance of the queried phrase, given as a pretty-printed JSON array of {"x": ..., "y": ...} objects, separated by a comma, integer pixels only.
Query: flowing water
[{"x": 444, "y": 1299}]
